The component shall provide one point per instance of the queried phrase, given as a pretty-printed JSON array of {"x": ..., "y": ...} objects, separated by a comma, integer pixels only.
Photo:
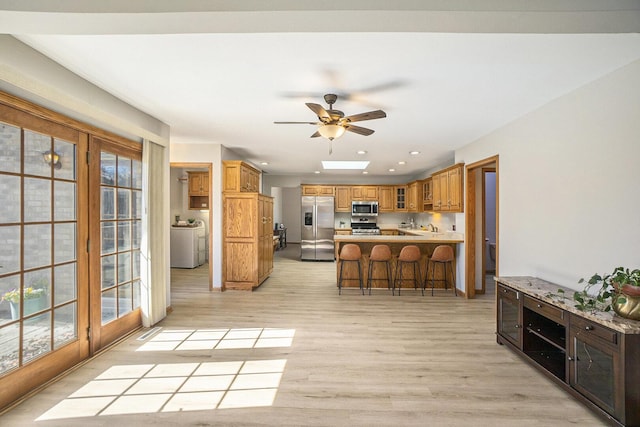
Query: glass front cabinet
[{"x": 509, "y": 316}]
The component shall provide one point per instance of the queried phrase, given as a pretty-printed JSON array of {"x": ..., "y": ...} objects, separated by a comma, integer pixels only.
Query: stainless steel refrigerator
[{"x": 317, "y": 229}]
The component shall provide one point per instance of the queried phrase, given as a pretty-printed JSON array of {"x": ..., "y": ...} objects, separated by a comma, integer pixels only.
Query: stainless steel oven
[{"x": 362, "y": 208}]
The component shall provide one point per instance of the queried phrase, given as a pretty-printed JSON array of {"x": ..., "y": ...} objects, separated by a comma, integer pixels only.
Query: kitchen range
[{"x": 363, "y": 218}]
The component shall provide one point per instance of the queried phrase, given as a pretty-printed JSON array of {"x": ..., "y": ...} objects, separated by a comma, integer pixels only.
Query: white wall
[{"x": 568, "y": 183}]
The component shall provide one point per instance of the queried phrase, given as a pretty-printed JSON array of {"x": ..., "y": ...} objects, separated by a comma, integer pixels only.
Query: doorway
[
  {"x": 481, "y": 237},
  {"x": 186, "y": 207}
]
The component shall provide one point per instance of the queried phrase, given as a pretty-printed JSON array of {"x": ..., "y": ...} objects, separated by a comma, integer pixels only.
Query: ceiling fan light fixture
[{"x": 331, "y": 132}]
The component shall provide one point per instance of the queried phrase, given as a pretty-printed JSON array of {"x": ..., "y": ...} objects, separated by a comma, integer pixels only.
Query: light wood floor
[{"x": 354, "y": 360}]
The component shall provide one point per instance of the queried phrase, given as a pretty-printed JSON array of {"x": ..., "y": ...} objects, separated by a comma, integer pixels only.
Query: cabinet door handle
[
  {"x": 539, "y": 305},
  {"x": 517, "y": 326},
  {"x": 588, "y": 328},
  {"x": 570, "y": 359}
]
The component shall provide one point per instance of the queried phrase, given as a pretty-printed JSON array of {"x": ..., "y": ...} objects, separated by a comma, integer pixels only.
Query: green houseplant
[{"x": 619, "y": 291}]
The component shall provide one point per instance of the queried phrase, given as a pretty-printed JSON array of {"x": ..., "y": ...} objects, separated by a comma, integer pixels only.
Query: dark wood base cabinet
[{"x": 594, "y": 356}]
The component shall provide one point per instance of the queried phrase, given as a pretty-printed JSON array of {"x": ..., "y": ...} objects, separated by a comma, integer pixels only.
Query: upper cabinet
[
  {"x": 414, "y": 197},
  {"x": 400, "y": 193},
  {"x": 343, "y": 199},
  {"x": 447, "y": 189},
  {"x": 386, "y": 198},
  {"x": 198, "y": 190},
  {"x": 364, "y": 192},
  {"x": 427, "y": 194},
  {"x": 239, "y": 177},
  {"x": 317, "y": 190}
]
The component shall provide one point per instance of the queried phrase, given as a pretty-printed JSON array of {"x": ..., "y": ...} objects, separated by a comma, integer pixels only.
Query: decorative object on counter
[
  {"x": 619, "y": 291},
  {"x": 191, "y": 220}
]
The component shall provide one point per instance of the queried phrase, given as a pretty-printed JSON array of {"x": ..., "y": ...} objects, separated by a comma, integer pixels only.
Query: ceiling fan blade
[
  {"x": 315, "y": 135},
  {"x": 297, "y": 123},
  {"x": 370, "y": 115},
  {"x": 320, "y": 112},
  {"x": 359, "y": 130}
]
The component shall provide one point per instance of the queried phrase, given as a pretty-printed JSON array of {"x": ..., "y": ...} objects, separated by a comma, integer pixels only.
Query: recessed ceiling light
[
  {"x": 264, "y": 163},
  {"x": 392, "y": 170},
  {"x": 365, "y": 172},
  {"x": 414, "y": 153},
  {"x": 361, "y": 152},
  {"x": 402, "y": 162},
  {"x": 339, "y": 164},
  {"x": 317, "y": 172}
]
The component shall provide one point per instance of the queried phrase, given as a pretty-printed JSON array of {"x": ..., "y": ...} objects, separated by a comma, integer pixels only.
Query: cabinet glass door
[
  {"x": 594, "y": 371},
  {"x": 509, "y": 325}
]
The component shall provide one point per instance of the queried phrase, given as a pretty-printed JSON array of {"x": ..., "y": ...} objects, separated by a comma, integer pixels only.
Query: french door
[
  {"x": 115, "y": 230},
  {"x": 43, "y": 257}
]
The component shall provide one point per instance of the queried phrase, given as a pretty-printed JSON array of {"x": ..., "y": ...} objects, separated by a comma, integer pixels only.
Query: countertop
[
  {"x": 416, "y": 236},
  {"x": 548, "y": 292}
]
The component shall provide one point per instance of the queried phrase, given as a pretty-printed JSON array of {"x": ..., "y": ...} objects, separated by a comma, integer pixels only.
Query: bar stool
[
  {"x": 379, "y": 253},
  {"x": 409, "y": 254},
  {"x": 350, "y": 253},
  {"x": 442, "y": 254}
]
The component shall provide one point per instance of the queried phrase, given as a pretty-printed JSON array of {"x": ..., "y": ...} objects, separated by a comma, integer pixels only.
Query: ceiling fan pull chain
[{"x": 330, "y": 147}]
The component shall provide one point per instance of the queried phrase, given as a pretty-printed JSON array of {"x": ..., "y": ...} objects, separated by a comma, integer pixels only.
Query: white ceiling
[{"x": 441, "y": 90}]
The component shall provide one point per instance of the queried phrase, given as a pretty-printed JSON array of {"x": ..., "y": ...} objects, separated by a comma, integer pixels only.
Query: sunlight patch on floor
[
  {"x": 150, "y": 388},
  {"x": 219, "y": 339}
]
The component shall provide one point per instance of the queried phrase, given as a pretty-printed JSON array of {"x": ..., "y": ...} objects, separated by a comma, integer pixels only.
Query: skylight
[{"x": 345, "y": 165}]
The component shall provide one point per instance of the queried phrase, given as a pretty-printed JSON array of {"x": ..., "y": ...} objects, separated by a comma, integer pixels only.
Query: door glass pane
[
  {"x": 136, "y": 234},
  {"x": 124, "y": 236},
  {"x": 124, "y": 203},
  {"x": 67, "y": 159},
  {"x": 65, "y": 281},
  {"x": 594, "y": 371},
  {"x": 136, "y": 294},
  {"x": 108, "y": 203},
  {"x": 64, "y": 206},
  {"x": 136, "y": 204},
  {"x": 136, "y": 174},
  {"x": 64, "y": 244},
  {"x": 108, "y": 271},
  {"x": 108, "y": 305},
  {"x": 37, "y": 200},
  {"x": 36, "y": 336},
  {"x": 10, "y": 336},
  {"x": 135, "y": 257},
  {"x": 124, "y": 299},
  {"x": 64, "y": 325},
  {"x": 124, "y": 172},
  {"x": 10, "y": 157},
  {"x": 37, "y": 291},
  {"x": 108, "y": 236},
  {"x": 10, "y": 191},
  {"x": 124, "y": 267},
  {"x": 36, "y": 146},
  {"x": 107, "y": 168},
  {"x": 10, "y": 305},
  {"x": 37, "y": 251},
  {"x": 10, "y": 249}
]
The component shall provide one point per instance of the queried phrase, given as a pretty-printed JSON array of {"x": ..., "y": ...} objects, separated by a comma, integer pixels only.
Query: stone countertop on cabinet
[
  {"x": 548, "y": 292},
  {"x": 414, "y": 238}
]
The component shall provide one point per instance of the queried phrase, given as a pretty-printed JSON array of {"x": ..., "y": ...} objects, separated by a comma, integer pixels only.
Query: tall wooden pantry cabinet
[{"x": 247, "y": 226}]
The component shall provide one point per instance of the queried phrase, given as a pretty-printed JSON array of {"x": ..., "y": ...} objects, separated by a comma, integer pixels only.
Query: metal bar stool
[
  {"x": 442, "y": 254},
  {"x": 350, "y": 253},
  {"x": 409, "y": 254},
  {"x": 380, "y": 253}
]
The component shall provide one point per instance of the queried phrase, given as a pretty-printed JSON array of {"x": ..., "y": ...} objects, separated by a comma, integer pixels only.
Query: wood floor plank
[{"x": 360, "y": 360}]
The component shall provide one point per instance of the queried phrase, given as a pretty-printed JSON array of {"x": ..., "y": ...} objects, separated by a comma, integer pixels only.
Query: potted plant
[
  {"x": 33, "y": 300},
  {"x": 619, "y": 291}
]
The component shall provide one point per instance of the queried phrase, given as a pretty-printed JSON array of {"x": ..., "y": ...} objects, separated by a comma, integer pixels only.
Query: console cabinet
[{"x": 594, "y": 356}]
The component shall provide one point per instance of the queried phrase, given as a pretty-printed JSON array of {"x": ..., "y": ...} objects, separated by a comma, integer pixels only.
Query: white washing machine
[{"x": 188, "y": 246}]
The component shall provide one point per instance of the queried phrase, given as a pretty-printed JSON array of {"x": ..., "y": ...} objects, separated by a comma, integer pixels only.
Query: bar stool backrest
[
  {"x": 350, "y": 252},
  {"x": 409, "y": 253},
  {"x": 442, "y": 253},
  {"x": 380, "y": 253}
]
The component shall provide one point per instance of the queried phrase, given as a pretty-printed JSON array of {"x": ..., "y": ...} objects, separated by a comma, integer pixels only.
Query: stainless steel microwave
[{"x": 361, "y": 208}]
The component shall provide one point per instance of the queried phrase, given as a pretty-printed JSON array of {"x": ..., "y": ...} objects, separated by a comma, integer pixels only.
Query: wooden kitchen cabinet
[
  {"x": 364, "y": 192},
  {"x": 343, "y": 232},
  {"x": 414, "y": 197},
  {"x": 342, "y": 199},
  {"x": 198, "y": 190},
  {"x": 386, "y": 198},
  {"x": 448, "y": 189},
  {"x": 247, "y": 254},
  {"x": 400, "y": 198},
  {"x": 317, "y": 190},
  {"x": 240, "y": 177},
  {"x": 427, "y": 195}
]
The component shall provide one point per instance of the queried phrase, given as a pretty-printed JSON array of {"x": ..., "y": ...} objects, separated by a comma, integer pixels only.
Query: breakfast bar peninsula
[{"x": 425, "y": 241}]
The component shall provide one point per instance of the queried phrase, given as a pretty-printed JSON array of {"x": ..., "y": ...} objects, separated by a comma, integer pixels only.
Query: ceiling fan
[{"x": 333, "y": 124}]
